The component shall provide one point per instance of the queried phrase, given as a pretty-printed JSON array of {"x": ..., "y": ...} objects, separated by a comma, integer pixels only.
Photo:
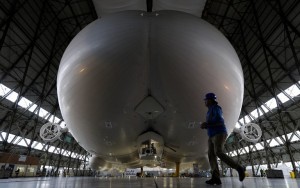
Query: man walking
[{"x": 217, "y": 134}]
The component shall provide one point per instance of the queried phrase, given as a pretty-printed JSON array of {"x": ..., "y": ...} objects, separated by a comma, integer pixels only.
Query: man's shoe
[
  {"x": 241, "y": 172},
  {"x": 214, "y": 181}
]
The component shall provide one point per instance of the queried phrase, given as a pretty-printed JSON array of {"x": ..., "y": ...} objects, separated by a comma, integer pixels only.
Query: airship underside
[{"x": 131, "y": 86}]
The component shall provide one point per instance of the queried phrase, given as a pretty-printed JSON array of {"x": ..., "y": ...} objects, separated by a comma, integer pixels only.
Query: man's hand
[{"x": 203, "y": 125}]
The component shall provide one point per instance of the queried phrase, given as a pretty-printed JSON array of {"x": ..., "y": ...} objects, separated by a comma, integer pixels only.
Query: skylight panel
[
  {"x": 25, "y": 103},
  {"x": 273, "y": 143},
  {"x": 45, "y": 148},
  {"x": 244, "y": 120},
  {"x": 47, "y": 116},
  {"x": 12, "y": 96},
  {"x": 67, "y": 153},
  {"x": 247, "y": 119},
  {"x": 10, "y": 138},
  {"x": 32, "y": 108},
  {"x": 293, "y": 91},
  {"x": 34, "y": 143},
  {"x": 259, "y": 146},
  {"x": 74, "y": 155},
  {"x": 241, "y": 121},
  {"x": 62, "y": 124},
  {"x": 278, "y": 139},
  {"x": 243, "y": 152},
  {"x": 39, "y": 146},
  {"x": 22, "y": 143},
  {"x": 56, "y": 151},
  {"x": 62, "y": 151},
  {"x": 4, "y": 90},
  {"x": 42, "y": 112},
  {"x": 289, "y": 135},
  {"x": 271, "y": 103},
  {"x": 17, "y": 140},
  {"x": 3, "y": 134},
  {"x": 294, "y": 138},
  {"x": 264, "y": 108},
  {"x": 27, "y": 140},
  {"x": 54, "y": 119},
  {"x": 282, "y": 97},
  {"x": 51, "y": 149},
  {"x": 254, "y": 113}
]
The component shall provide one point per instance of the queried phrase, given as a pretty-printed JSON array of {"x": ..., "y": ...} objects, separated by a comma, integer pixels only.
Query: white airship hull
[{"x": 115, "y": 63}]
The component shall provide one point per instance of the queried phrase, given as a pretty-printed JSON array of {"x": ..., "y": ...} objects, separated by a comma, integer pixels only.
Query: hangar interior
[{"x": 35, "y": 34}]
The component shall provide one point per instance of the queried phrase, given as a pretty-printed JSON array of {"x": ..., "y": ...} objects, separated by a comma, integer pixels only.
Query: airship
[{"x": 131, "y": 86}]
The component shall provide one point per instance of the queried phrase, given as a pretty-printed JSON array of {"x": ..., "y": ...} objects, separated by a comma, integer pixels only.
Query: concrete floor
[{"x": 89, "y": 182}]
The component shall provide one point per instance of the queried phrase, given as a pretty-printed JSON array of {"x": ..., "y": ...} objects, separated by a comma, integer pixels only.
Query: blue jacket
[{"x": 215, "y": 121}]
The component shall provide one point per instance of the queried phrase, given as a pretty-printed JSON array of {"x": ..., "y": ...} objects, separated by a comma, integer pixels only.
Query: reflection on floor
[{"x": 78, "y": 182}]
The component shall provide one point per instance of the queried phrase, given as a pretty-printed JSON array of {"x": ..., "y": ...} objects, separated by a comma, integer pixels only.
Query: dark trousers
[{"x": 216, "y": 149}]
